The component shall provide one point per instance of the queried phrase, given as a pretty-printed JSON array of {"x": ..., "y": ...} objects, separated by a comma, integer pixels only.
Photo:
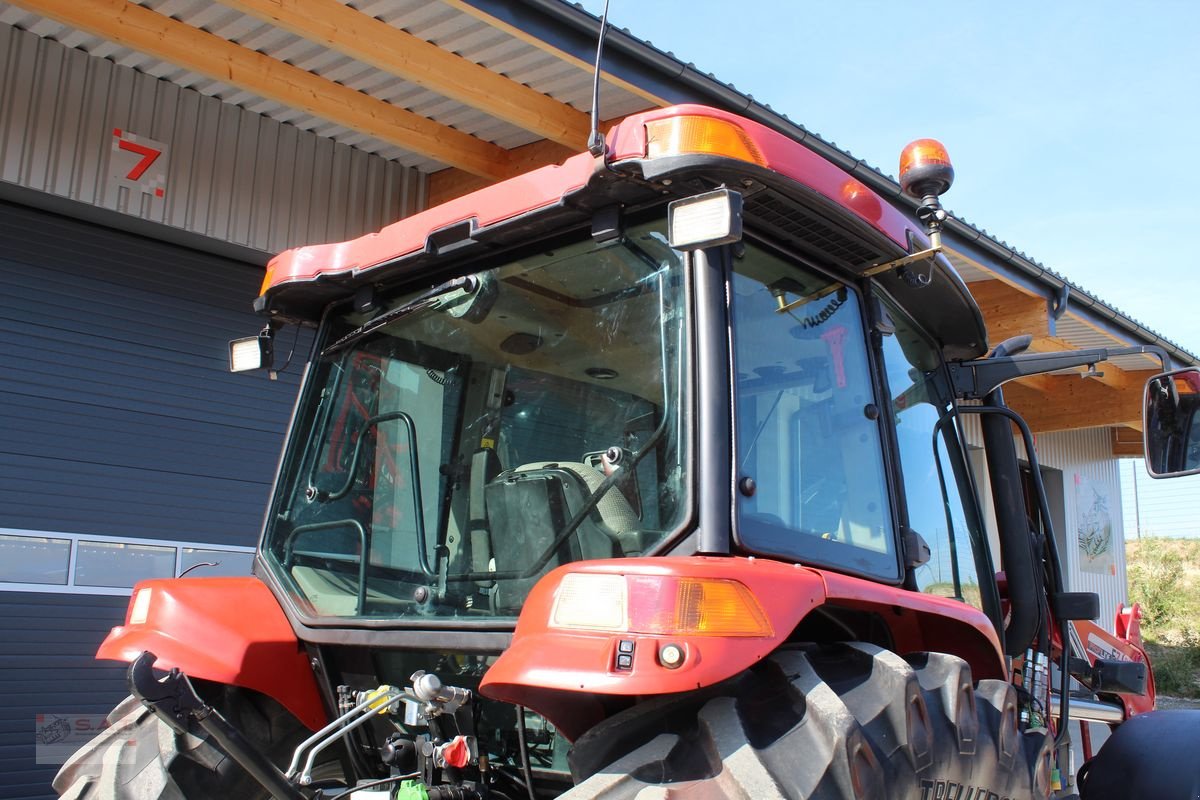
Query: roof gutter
[{"x": 711, "y": 90}]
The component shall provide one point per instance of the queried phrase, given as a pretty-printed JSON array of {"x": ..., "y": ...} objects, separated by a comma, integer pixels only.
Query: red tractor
[{"x": 627, "y": 478}]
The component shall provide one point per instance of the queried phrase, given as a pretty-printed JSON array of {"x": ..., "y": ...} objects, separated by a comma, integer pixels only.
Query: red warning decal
[{"x": 138, "y": 162}]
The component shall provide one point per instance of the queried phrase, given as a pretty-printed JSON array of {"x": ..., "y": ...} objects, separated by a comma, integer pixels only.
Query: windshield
[{"x": 456, "y": 444}]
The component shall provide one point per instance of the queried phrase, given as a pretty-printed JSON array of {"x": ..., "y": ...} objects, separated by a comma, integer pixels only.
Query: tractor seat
[{"x": 528, "y": 506}]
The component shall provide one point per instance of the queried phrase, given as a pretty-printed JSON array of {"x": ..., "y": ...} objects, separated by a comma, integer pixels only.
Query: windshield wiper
[{"x": 467, "y": 284}]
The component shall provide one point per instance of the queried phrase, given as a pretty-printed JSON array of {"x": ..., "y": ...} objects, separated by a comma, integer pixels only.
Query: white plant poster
[{"x": 1094, "y": 527}]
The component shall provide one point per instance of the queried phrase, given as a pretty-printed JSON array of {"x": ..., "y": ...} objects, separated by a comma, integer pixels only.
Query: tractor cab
[{"x": 653, "y": 457}]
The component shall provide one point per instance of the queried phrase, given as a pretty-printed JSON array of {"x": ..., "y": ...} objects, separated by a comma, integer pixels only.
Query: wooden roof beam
[
  {"x": 372, "y": 41},
  {"x": 466, "y": 7},
  {"x": 448, "y": 184},
  {"x": 160, "y": 36},
  {"x": 1072, "y": 403},
  {"x": 1008, "y": 312},
  {"x": 1127, "y": 442}
]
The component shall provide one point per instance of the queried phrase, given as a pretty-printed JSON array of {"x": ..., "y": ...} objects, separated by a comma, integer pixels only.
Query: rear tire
[
  {"x": 846, "y": 721},
  {"x": 138, "y": 756}
]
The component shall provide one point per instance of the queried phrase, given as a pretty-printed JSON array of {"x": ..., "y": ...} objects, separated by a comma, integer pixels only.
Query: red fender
[
  {"x": 226, "y": 630},
  {"x": 563, "y": 673}
]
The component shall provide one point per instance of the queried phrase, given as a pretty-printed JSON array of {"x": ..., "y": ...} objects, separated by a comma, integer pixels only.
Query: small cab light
[
  {"x": 139, "y": 612},
  {"x": 591, "y": 602},
  {"x": 925, "y": 169},
  {"x": 705, "y": 220},
  {"x": 694, "y": 135}
]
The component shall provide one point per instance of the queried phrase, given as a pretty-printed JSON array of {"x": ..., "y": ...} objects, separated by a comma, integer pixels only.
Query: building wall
[
  {"x": 1090, "y": 475},
  {"x": 231, "y": 174},
  {"x": 128, "y": 450},
  {"x": 1077, "y": 467}
]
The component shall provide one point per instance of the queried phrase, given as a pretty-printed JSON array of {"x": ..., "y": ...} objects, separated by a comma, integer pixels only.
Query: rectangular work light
[
  {"x": 706, "y": 220},
  {"x": 253, "y": 352}
]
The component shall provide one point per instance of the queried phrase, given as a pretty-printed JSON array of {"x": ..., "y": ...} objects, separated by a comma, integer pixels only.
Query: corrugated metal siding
[
  {"x": 119, "y": 414},
  {"x": 1086, "y": 453},
  {"x": 233, "y": 174},
  {"x": 48, "y": 666}
]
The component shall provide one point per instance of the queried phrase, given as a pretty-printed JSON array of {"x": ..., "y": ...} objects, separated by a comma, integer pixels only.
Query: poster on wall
[{"x": 1094, "y": 527}]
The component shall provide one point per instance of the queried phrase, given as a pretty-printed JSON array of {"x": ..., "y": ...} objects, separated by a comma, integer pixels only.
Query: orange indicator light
[
  {"x": 691, "y": 135},
  {"x": 658, "y": 604}
]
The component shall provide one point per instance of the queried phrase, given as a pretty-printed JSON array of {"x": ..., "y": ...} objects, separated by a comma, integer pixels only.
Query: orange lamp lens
[
  {"x": 267, "y": 279},
  {"x": 923, "y": 152},
  {"x": 658, "y": 604},
  {"x": 718, "y": 608},
  {"x": 691, "y": 135},
  {"x": 925, "y": 169}
]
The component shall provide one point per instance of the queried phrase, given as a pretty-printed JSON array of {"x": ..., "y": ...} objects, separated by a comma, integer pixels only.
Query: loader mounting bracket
[{"x": 174, "y": 700}]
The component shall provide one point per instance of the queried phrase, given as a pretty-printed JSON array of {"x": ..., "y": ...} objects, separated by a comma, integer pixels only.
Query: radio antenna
[{"x": 596, "y": 145}]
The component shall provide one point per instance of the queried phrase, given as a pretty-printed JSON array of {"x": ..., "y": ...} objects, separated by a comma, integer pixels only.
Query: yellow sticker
[{"x": 487, "y": 444}]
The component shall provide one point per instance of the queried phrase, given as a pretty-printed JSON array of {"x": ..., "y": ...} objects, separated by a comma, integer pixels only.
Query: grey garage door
[{"x": 126, "y": 450}]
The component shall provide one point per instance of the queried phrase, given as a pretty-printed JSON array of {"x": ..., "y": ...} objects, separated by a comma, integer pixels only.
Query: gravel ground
[{"x": 1163, "y": 701}]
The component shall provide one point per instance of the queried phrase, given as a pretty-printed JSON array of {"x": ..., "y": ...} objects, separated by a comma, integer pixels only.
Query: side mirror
[{"x": 1171, "y": 423}]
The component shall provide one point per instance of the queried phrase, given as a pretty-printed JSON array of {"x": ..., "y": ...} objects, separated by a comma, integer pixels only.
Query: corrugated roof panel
[
  {"x": 1083, "y": 335},
  {"x": 455, "y": 31}
]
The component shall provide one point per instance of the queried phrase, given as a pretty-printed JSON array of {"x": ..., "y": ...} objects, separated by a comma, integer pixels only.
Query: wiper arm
[{"x": 466, "y": 284}]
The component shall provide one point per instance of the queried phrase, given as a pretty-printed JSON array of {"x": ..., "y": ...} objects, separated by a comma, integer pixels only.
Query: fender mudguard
[
  {"x": 226, "y": 630},
  {"x": 563, "y": 674}
]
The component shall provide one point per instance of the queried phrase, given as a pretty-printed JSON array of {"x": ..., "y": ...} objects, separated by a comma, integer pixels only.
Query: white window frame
[{"x": 112, "y": 591}]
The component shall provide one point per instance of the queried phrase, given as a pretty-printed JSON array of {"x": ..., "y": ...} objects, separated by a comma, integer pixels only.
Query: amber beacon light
[{"x": 925, "y": 169}]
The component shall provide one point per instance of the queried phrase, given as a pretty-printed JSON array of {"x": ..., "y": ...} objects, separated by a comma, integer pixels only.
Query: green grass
[{"x": 1164, "y": 577}]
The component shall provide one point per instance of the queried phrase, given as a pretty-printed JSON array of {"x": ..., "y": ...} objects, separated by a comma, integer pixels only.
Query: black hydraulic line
[
  {"x": 951, "y": 539},
  {"x": 1015, "y": 541},
  {"x": 373, "y": 784},
  {"x": 526, "y": 767},
  {"x": 1062, "y": 738}
]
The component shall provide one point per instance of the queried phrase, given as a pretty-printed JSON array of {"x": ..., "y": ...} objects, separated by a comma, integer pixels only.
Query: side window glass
[
  {"x": 935, "y": 505},
  {"x": 806, "y": 425}
]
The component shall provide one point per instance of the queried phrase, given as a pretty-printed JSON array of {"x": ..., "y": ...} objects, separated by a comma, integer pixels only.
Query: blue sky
[
  {"x": 1073, "y": 126},
  {"x": 1074, "y": 129}
]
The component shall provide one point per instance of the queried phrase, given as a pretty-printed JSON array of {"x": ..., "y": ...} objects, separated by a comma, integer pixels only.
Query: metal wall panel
[
  {"x": 1086, "y": 454},
  {"x": 48, "y": 667},
  {"x": 119, "y": 412},
  {"x": 232, "y": 174}
]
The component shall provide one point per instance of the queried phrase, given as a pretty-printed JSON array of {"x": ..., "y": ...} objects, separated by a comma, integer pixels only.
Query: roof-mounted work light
[
  {"x": 253, "y": 352},
  {"x": 705, "y": 220}
]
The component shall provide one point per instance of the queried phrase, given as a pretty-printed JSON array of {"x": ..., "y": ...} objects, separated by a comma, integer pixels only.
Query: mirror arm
[{"x": 974, "y": 380}]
